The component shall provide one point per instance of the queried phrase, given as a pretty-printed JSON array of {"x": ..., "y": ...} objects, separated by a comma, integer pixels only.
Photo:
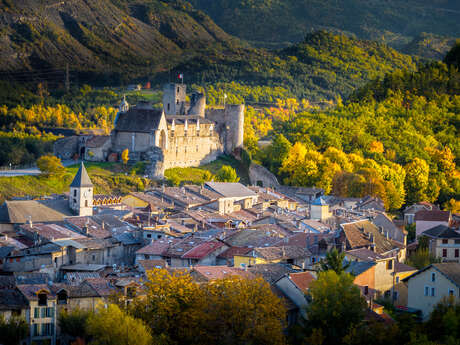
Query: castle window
[
  {"x": 74, "y": 192},
  {"x": 168, "y": 106},
  {"x": 178, "y": 89},
  {"x": 196, "y": 148},
  {"x": 177, "y": 101},
  {"x": 86, "y": 203}
]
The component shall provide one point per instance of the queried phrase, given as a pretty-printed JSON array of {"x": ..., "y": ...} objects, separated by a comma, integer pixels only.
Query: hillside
[
  {"x": 106, "y": 37},
  {"x": 393, "y": 22},
  {"x": 322, "y": 66}
]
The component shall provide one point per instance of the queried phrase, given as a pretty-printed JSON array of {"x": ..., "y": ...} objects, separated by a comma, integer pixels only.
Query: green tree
[
  {"x": 421, "y": 258},
  {"x": 13, "y": 330},
  {"x": 125, "y": 156},
  {"x": 334, "y": 261},
  {"x": 444, "y": 321},
  {"x": 73, "y": 323},
  {"x": 113, "y": 326},
  {"x": 50, "y": 165},
  {"x": 227, "y": 174},
  {"x": 337, "y": 305}
]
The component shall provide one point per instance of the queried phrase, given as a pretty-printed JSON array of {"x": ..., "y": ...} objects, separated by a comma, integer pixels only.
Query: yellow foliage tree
[
  {"x": 226, "y": 311},
  {"x": 125, "y": 156}
]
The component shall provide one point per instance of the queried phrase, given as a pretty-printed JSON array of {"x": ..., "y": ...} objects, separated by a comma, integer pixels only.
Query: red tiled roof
[
  {"x": 433, "y": 216},
  {"x": 203, "y": 250},
  {"x": 302, "y": 280},
  {"x": 220, "y": 272},
  {"x": 232, "y": 251},
  {"x": 158, "y": 247}
]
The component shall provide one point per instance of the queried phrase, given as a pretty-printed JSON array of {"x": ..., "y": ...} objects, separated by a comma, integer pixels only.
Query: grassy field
[
  {"x": 199, "y": 175},
  {"x": 108, "y": 178}
]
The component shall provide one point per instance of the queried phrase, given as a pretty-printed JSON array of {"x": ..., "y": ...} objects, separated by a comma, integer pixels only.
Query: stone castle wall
[
  {"x": 191, "y": 147},
  {"x": 230, "y": 122}
]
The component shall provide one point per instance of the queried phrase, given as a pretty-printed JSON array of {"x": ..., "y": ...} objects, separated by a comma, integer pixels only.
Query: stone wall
[
  {"x": 259, "y": 175},
  {"x": 230, "y": 123},
  {"x": 125, "y": 140}
]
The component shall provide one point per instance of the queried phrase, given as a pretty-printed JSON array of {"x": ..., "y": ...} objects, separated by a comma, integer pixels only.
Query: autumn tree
[
  {"x": 337, "y": 305},
  {"x": 227, "y": 174},
  {"x": 13, "y": 330},
  {"x": 225, "y": 311},
  {"x": 50, "y": 165},
  {"x": 417, "y": 174},
  {"x": 125, "y": 156},
  {"x": 113, "y": 326}
]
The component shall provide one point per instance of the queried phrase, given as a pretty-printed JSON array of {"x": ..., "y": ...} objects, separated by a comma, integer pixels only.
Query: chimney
[
  {"x": 381, "y": 229},
  {"x": 103, "y": 225},
  {"x": 85, "y": 229},
  {"x": 29, "y": 220}
]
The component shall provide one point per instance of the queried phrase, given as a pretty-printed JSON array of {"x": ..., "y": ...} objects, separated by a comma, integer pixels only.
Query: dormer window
[
  {"x": 42, "y": 299},
  {"x": 62, "y": 297}
]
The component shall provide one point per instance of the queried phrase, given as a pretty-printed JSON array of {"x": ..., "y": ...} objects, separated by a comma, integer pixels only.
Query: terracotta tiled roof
[
  {"x": 232, "y": 251},
  {"x": 218, "y": 272},
  {"x": 102, "y": 286},
  {"x": 158, "y": 247},
  {"x": 432, "y": 216},
  {"x": 151, "y": 264},
  {"x": 202, "y": 250},
  {"x": 365, "y": 254},
  {"x": 358, "y": 235},
  {"x": 283, "y": 252},
  {"x": 30, "y": 291},
  {"x": 302, "y": 280}
]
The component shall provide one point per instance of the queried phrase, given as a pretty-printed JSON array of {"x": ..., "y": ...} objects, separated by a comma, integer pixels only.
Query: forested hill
[
  {"x": 116, "y": 36},
  {"x": 391, "y": 21}
]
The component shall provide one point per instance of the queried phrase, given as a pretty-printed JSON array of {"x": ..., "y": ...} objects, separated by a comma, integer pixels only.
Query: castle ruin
[{"x": 181, "y": 134}]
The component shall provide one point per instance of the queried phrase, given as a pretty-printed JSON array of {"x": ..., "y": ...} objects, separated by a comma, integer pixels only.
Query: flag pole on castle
[{"x": 181, "y": 77}]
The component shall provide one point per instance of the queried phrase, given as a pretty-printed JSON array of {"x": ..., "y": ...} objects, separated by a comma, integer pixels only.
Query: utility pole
[{"x": 67, "y": 79}]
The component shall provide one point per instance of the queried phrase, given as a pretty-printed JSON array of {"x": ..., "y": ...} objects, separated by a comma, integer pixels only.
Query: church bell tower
[{"x": 81, "y": 193}]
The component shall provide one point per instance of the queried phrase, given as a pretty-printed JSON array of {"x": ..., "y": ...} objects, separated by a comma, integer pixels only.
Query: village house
[
  {"x": 428, "y": 286},
  {"x": 410, "y": 211},
  {"x": 425, "y": 220},
  {"x": 444, "y": 243}
]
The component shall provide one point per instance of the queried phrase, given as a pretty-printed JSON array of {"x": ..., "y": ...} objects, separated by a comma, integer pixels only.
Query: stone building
[{"x": 181, "y": 134}]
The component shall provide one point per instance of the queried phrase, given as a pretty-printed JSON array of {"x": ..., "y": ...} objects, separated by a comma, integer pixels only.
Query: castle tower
[
  {"x": 81, "y": 193},
  {"x": 174, "y": 99},
  {"x": 197, "y": 104}
]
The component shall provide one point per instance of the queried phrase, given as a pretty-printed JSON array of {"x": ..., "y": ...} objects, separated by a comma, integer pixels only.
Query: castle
[{"x": 181, "y": 134}]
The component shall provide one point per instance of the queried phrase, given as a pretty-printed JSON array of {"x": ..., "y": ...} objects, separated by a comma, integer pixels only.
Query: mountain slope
[
  {"x": 391, "y": 21},
  {"x": 101, "y": 35}
]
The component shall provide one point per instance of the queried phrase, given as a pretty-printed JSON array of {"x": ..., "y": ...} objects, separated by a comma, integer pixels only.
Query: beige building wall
[
  {"x": 320, "y": 213},
  {"x": 451, "y": 249},
  {"x": 421, "y": 284}
]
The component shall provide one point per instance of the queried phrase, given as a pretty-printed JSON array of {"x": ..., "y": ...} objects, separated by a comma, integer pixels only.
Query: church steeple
[{"x": 81, "y": 193}]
